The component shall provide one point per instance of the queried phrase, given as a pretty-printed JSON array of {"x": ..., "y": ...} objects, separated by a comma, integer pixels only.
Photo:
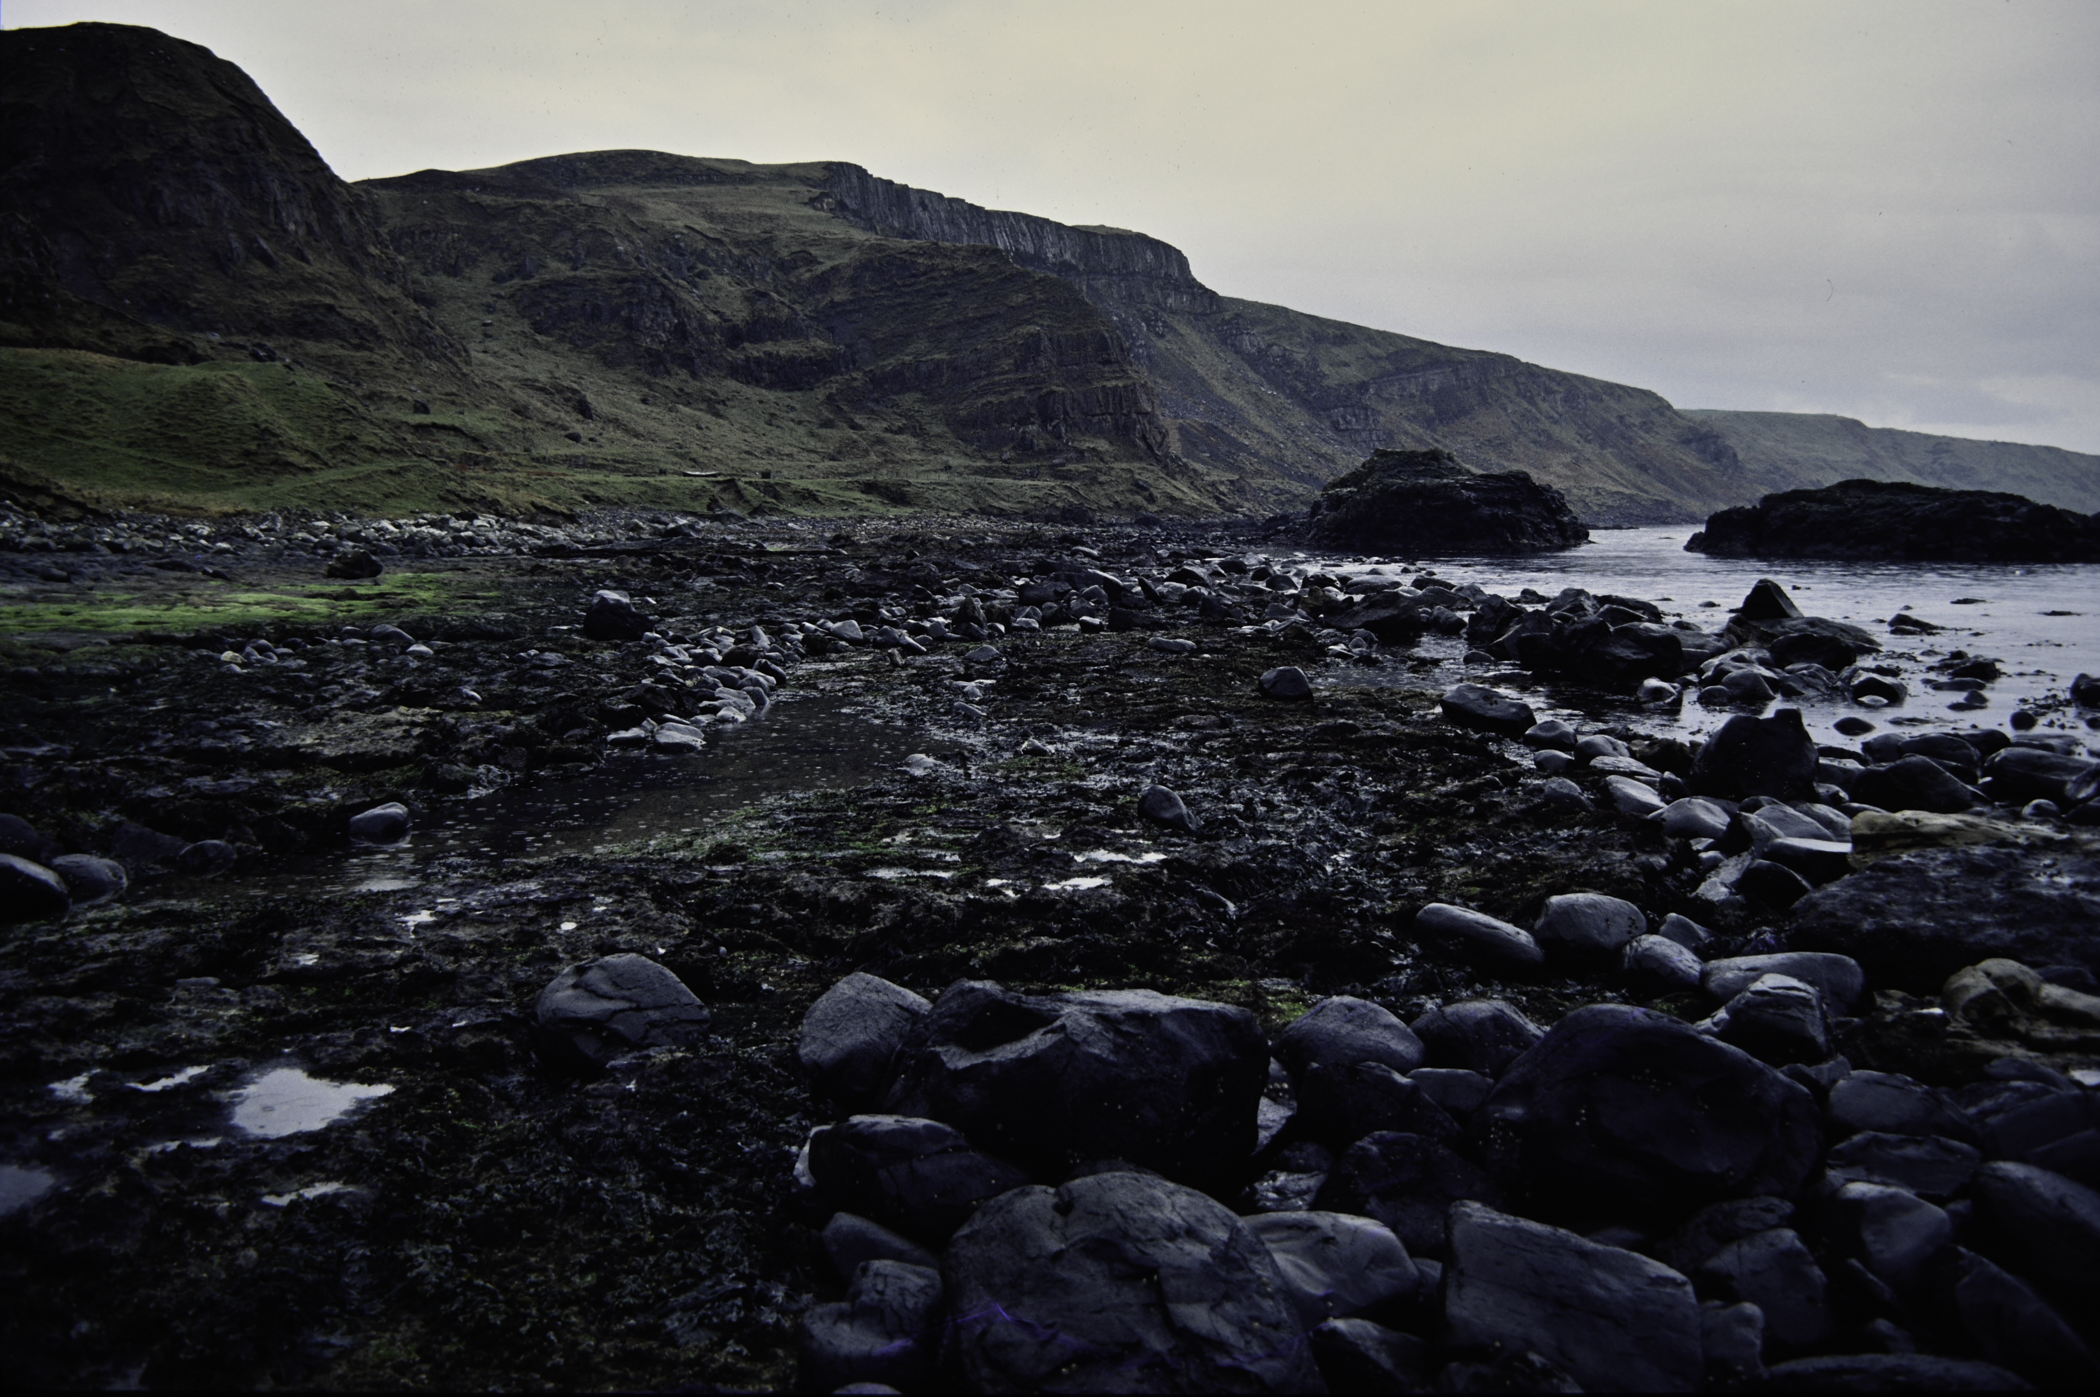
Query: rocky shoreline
[{"x": 1341, "y": 959}]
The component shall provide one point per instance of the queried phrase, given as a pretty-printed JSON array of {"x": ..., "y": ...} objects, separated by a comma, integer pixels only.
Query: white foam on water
[
  {"x": 1075, "y": 884},
  {"x": 175, "y": 1079},
  {"x": 286, "y": 1101},
  {"x": 73, "y": 1089}
]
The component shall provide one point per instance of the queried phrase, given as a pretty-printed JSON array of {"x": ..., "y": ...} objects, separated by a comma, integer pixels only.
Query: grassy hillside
[
  {"x": 196, "y": 313},
  {"x": 1789, "y": 450}
]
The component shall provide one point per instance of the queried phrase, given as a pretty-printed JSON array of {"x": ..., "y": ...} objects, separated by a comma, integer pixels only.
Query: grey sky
[{"x": 1886, "y": 210}]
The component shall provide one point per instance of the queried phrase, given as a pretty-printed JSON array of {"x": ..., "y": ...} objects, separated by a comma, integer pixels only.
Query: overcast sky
[{"x": 1885, "y": 210}]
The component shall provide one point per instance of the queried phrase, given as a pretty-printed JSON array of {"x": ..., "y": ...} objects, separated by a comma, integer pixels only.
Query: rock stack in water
[{"x": 1428, "y": 502}]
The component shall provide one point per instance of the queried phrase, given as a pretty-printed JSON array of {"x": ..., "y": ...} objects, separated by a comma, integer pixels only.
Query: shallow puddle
[{"x": 286, "y": 1101}]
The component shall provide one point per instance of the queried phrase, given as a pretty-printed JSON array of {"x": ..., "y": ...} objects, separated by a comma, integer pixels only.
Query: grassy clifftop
[{"x": 196, "y": 313}]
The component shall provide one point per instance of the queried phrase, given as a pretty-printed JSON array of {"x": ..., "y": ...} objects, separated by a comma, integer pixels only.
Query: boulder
[
  {"x": 90, "y": 879},
  {"x": 919, "y": 1177},
  {"x": 849, "y": 1239},
  {"x": 1892, "y": 521},
  {"x": 1287, "y": 682},
  {"x": 1117, "y": 1282},
  {"x": 1838, "y": 978},
  {"x": 1890, "y": 1231},
  {"x": 1056, "y": 1080},
  {"x": 1613, "y": 1319},
  {"x": 1427, "y": 502},
  {"x": 2010, "y": 1325},
  {"x": 1774, "y": 1271},
  {"x": 1166, "y": 809},
  {"x": 1718, "y": 1224},
  {"x": 1913, "y": 919},
  {"x": 1480, "y": 1035},
  {"x": 1335, "y": 1265},
  {"x": 1637, "y": 1113},
  {"x": 602, "y": 1009},
  {"x": 1661, "y": 962},
  {"x": 1758, "y": 757},
  {"x": 1588, "y": 925},
  {"x": 1345, "y": 1030},
  {"x": 207, "y": 858},
  {"x": 30, "y": 892},
  {"x": 2016, "y": 775},
  {"x": 1890, "y": 1104},
  {"x": 1776, "y": 1019},
  {"x": 355, "y": 564},
  {"x": 2046, "y": 1222},
  {"x": 1930, "y": 1166},
  {"x": 884, "y": 1331},
  {"x": 1341, "y": 1103},
  {"x": 1912, "y": 783},
  {"x": 849, "y": 1038},
  {"x": 1408, "y": 1182},
  {"x": 612, "y": 616},
  {"x": 1488, "y": 940},
  {"x": 1485, "y": 710},
  {"x": 382, "y": 824}
]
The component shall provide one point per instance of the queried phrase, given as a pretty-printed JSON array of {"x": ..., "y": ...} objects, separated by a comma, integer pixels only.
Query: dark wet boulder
[
  {"x": 1913, "y": 783},
  {"x": 2017, "y": 775},
  {"x": 382, "y": 824},
  {"x": 2009, "y": 1324},
  {"x": 849, "y": 1038},
  {"x": 615, "y": 1005},
  {"x": 30, "y": 892},
  {"x": 1628, "y": 1112},
  {"x": 1890, "y": 1231},
  {"x": 1344, "y": 1030},
  {"x": 1167, "y": 809},
  {"x": 1776, "y": 1019},
  {"x": 22, "y": 839},
  {"x": 1408, "y": 1182},
  {"x": 90, "y": 879},
  {"x": 1620, "y": 657},
  {"x": 207, "y": 858},
  {"x": 849, "y": 1239},
  {"x": 1485, "y": 710},
  {"x": 1588, "y": 925},
  {"x": 1765, "y": 601},
  {"x": 1486, "y": 940},
  {"x": 1838, "y": 978},
  {"x": 1480, "y": 1035},
  {"x": 1118, "y": 1282},
  {"x": 1774, "y": 1271},
  {"x": 1427, "y": 502},
  {"x": 1286, "y": 683},
  {"x": 1913, "y": 919},
  {"x": 885, "y": 1331},
  {"x": 2048, "y": 1224},
  {"x": 917, "y": 1176},
  {"x": 1750, "y": 756},
  {"x": 1392, "y": 618},
  {"x": 1341, "y": 1103},
  {"x": 1335, "y": 1265},
  {"x": 1056, "y": 1080},
  {"x": 1614, "y": 1320},
  {"x": 1927, "y": 1165},
  {"x": 1812, "y": 640},
  {"x": 613, "y": 616},
  {"x": 354, "y": 565},
  {"x": 1890, "y": 521}
]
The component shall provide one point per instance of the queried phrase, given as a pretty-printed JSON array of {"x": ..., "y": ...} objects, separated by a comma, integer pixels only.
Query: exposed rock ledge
[{"x": 1878, "y": 520}]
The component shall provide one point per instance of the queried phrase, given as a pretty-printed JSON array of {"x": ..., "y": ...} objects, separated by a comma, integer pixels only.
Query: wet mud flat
[{"x": 272, "y": 1116}]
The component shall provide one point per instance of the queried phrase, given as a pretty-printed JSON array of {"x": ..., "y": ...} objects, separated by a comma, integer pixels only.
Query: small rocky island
[
  {"x": 1889, "y": 521},
  {"x": 1429, "y": 502}
]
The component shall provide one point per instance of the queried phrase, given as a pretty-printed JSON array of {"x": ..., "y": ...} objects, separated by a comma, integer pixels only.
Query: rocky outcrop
[
  {"x": 1884, "y": 521},
  {"x": 1428, "y": 502}
]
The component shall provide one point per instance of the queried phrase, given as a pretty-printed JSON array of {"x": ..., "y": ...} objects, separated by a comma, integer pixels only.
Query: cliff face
[
  {"x": 632, "y": 326},
  {"x": 151, "y": 180}
]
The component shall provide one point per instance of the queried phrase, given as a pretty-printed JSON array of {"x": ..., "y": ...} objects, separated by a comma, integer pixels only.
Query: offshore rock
[
  {"x": 1427, "y": 502},
  {"x": 1877, "y": 520}
]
